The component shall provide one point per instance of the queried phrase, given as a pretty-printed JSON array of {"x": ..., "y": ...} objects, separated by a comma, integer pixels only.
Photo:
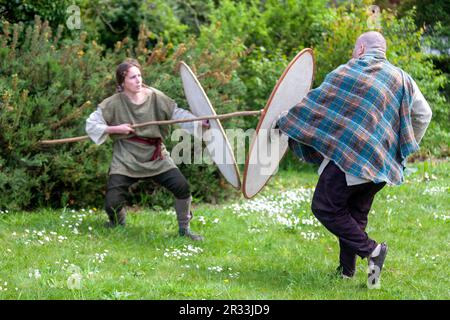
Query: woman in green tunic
[{"x": 140, "y": 153}]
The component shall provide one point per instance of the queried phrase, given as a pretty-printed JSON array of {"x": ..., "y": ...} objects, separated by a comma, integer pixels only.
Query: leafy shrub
[
  {"x": 109, "y": 21},
  {"x": 271, "y": 32},
  {"x": 25, "y": 10}
]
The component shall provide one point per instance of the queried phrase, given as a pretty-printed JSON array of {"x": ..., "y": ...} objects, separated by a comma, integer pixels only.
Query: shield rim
[
  {"x": 261, "y": 119},
  {"x": 213, "y": 111}
]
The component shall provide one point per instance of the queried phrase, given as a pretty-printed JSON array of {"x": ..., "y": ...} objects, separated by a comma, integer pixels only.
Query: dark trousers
[
  {"x": 344, "y": 211},
  {"x": 117, "y": 190}
]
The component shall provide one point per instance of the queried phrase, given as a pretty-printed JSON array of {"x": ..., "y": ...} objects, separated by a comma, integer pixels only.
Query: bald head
[{"x": 369, "y": 41}]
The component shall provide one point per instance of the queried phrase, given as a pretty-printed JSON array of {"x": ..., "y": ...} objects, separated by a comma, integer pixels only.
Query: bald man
[{"x": 359, "y": 125}]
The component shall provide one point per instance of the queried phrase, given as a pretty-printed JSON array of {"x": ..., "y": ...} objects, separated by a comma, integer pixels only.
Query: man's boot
[
  {"x": 118, "y": 219},
  {"x": 184, "y": 216}
]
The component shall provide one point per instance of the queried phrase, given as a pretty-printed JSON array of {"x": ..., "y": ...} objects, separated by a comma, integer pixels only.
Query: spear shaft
[{"x": 163, "y": 122}]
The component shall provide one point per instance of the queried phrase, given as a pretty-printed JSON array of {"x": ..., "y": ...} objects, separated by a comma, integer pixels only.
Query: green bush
[
  {"x": 25, "y": 10},
  {"x": 272, "y": 32},
  {"x": 109, "y": 21},
  {"x": 46, "y": 86}
]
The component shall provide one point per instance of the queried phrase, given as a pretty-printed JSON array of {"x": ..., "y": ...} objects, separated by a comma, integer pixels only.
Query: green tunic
[{"x": 132, "y": 158}]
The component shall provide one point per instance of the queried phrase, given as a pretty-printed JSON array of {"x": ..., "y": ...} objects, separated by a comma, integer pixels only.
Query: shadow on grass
[
  {"x": 304, "y": 284},
  {"x": 139, "y": 234}
]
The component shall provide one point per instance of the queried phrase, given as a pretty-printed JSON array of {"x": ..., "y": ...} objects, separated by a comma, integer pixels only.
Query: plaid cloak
[{"x": 359, "y": 117}]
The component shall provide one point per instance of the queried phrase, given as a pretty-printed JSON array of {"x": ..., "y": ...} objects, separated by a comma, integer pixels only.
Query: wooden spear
[{"x": 164, "y": 122}]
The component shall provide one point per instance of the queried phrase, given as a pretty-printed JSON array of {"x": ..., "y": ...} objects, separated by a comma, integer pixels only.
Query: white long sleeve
[
  {"x": 96, "y": 127},
  {"x": 96, "y": 124},
  {"x": 420, "y": 114},
  {"x": 194, "y": 127}
]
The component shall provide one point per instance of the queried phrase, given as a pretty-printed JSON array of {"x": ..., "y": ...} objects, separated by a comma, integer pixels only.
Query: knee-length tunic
[{"x": 131, "y": 158}]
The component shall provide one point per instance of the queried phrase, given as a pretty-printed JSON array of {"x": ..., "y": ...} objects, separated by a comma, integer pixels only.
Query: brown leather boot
[
  {"x": 184, "y": 216},
  {"x": 186, "y": 232}
]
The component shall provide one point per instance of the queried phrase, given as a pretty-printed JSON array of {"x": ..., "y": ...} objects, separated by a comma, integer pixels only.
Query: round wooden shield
[
  {"x": 216, "y": 141},
  {"x": 267, "y": 149}
]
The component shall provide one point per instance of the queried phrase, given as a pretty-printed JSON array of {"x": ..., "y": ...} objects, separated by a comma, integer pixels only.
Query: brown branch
[
  {"x": 164, "y": 122},
  {"x": 108, "y": 23}
]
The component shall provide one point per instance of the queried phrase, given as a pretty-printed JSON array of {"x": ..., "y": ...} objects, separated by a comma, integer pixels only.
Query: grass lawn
[{"x": 270, "y": 247}]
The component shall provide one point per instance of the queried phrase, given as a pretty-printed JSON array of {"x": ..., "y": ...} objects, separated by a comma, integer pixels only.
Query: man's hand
[
  {"x": 120, "y": 129},
  {"x": 206, "y": 124}
]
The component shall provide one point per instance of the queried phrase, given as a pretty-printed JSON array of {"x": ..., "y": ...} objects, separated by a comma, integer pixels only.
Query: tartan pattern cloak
[{"x": 359, "y": 117}]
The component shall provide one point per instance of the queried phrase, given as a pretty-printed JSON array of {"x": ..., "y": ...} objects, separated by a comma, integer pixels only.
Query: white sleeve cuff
[
  {"x": 96, "y": 127},
  {"x": 194, "y": 127},
  {"x": 420, "y": 113}
]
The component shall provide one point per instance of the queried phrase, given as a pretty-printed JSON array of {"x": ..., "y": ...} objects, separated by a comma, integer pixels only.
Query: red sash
[{"x": 151, "y": 142}]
